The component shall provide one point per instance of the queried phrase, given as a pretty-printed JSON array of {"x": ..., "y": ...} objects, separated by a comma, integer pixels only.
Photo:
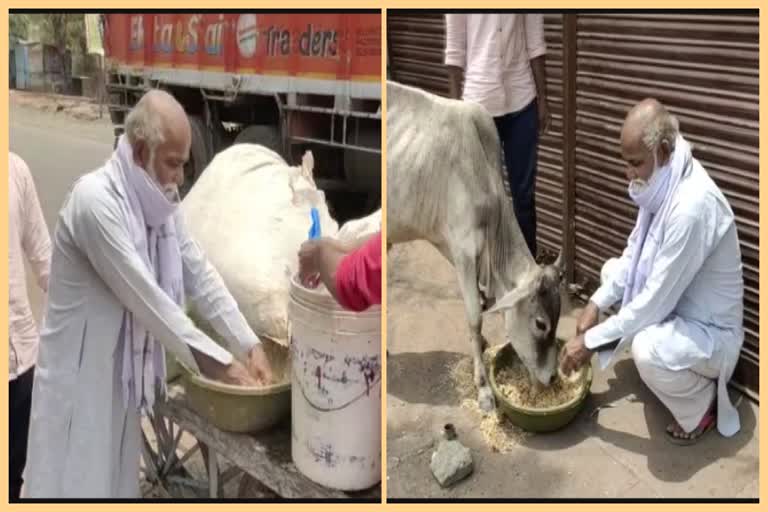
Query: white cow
[{"x": 444, "y": 185}]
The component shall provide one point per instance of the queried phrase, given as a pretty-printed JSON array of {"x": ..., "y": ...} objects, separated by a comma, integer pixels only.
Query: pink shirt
[
  {"x": 27, "y": 236},
  {"x": 358, "y": 278},
  {"x": 495, "y": 51}
]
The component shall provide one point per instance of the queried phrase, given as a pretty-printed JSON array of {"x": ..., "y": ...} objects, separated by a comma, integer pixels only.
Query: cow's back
[{"x": 443, "y": 160}]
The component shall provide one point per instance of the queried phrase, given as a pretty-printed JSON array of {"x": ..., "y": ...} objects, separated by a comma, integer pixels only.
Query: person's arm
[
  {"x": 677, "y": 262},
  {"x": 211, "y": 299},
  {"x": 455, "y": 51},
  {"x": 358, "y": 277},
  {"x": 206, "y": 291},
  {"x": 537, "y": 50},
  {"x": 323, "y": 257},
  {"x": 100, "y": 233},
  {"x": 35, "y": 239},
  {"x": 319, "y": 259}
]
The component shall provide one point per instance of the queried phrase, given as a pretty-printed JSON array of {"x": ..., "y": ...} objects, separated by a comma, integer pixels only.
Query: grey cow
[{"x": 444, "y": 185}]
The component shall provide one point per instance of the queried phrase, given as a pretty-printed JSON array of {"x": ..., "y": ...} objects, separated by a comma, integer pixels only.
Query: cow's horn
[{"x": 559, "y": 262}]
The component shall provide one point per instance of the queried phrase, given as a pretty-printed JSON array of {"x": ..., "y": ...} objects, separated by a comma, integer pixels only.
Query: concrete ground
[{"x": 619, "y": 452}]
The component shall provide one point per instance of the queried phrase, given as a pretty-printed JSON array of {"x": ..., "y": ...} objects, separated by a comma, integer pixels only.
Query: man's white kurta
[
  {"x": 691, "y": 308},
  {"x": 83, "y": 441}
]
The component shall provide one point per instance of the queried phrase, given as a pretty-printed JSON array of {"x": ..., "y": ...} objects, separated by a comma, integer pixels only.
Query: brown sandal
[{"x": 707, "y": 423}]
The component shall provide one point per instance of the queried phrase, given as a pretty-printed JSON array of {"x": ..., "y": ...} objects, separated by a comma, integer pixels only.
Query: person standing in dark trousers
[
  {"x": 501, "y": 57},
  {"x": 27, "y": 238}
]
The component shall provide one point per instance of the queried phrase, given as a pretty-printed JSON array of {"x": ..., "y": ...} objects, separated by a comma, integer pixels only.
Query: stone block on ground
[{"x": 451, "y": 463}]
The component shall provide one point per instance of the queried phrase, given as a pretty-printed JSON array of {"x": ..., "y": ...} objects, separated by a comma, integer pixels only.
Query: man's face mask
[
  {"x": 638, "y": 185},
  {"x": 170, "y": 191}
]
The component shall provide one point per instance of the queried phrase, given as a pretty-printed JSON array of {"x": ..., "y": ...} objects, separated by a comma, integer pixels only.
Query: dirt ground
[
  {"x": 77, "y": 107},
  {"x": 611, "y": 452}
]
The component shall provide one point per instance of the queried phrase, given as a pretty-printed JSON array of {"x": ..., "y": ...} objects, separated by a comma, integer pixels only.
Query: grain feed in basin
[
  {"x": 498, "y": 433},
  {"x": 515, "y": 384}
]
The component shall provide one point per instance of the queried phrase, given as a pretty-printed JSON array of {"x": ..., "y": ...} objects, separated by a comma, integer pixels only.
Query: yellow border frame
[{"x": 380, "y": 4}]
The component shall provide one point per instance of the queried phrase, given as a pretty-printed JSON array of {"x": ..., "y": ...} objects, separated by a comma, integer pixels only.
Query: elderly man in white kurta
[
  {"x": 122, "y": 267},
  {"x": 679, "y": 282}
]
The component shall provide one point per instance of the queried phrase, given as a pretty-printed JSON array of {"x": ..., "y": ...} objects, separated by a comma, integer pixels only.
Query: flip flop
[{"x": 707, "y": 423}]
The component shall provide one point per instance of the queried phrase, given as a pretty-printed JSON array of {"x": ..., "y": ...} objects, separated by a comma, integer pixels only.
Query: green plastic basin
[
  {"x": 547, "y": 419},
  {"x": 240, "y": 408},
  {"x": 237, "y": 408}
]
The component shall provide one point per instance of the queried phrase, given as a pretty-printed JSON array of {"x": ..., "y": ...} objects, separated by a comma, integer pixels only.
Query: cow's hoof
[{"x": 485, "y": 399}]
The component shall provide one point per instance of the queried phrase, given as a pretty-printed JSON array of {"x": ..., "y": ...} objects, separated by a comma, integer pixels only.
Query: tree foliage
[
  {"x": 18, "y": 25},
  {"x": 66, "y": 31}
]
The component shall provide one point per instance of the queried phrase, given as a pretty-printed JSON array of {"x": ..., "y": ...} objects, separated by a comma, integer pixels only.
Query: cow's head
[{"x": 531, "y": 313}]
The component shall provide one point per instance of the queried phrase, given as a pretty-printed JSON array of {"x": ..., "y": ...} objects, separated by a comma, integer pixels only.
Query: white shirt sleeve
[
  {"x": 100, "y": 232},
  {"x": 677, "y": 262},
  {"x": 205, "y": 288},
  {"x": 34, "y": 239},
  {"x": 534, "y": 35},
  {"x": 456, "y": 40}
]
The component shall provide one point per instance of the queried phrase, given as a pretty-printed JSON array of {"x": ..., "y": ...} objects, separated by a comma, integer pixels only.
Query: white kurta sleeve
[
  {"x": 677, "y": 262},
  {"x": 205, "y": 288},
  {"x": 99, "y": 231},
  {"x": 456, "y": 40},
  {"x": 611, "y": 289}
]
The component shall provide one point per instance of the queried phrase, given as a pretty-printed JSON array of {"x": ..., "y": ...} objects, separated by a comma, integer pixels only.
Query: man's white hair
[
  {"x": 663, "y": 126},
  {"x": 143, "y": 125}
]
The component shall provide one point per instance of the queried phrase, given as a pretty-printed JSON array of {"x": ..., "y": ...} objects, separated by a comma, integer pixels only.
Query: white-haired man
[
  {"x": 679, "y": 282},
  {"x": 122, "y": 267}
]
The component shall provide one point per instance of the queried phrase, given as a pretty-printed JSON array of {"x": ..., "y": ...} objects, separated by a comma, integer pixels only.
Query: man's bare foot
[{"x": 676, "y": 435}]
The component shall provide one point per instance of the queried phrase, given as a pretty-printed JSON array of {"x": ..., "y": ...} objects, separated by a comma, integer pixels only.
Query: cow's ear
[
  {"x": 510, "y": 299},
  {"x": 559, "y": 265},
  {"x": 308, "y": 166}
]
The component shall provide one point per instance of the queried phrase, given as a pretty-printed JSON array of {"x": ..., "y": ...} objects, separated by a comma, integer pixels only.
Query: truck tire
[
  {"x": 266, "y": 135},
  {"x": 200, "y": 154},
  {"x": 361, "y": 169}
]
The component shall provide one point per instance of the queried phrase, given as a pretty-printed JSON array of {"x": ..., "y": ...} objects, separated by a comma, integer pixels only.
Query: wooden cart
[{"x": 264, "y": 458}]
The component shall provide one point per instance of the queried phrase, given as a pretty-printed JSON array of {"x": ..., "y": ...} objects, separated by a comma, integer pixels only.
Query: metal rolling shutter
[
  {"x": 416, "y": 42},
  {"x": 704, "y": 68},
  {"x": 549, "y": 178},
  {"x": 416, "y": 45}
]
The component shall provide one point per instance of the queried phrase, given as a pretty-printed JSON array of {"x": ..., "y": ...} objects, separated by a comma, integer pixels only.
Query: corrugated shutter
[
  {"x": 549, "y": 178},
  {"x": 705, "y": 70},
  {"x": 416, "y": 44}
]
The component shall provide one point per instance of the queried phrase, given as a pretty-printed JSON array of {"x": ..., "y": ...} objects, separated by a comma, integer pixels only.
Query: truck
[{"x": 290, "y": 81}]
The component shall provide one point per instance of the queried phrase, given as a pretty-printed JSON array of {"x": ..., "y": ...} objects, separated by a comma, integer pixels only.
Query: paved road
[{"x": 57, "y": 149}]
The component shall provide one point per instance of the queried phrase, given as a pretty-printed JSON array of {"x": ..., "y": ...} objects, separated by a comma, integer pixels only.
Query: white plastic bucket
[{"x": 335, "y": 390}]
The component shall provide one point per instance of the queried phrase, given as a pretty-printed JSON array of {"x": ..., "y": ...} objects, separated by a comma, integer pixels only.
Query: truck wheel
[
  {"x": 200, "y": 154},
  {"x": 363, "y": 170},
  {"x": 264, "y": 134}
]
